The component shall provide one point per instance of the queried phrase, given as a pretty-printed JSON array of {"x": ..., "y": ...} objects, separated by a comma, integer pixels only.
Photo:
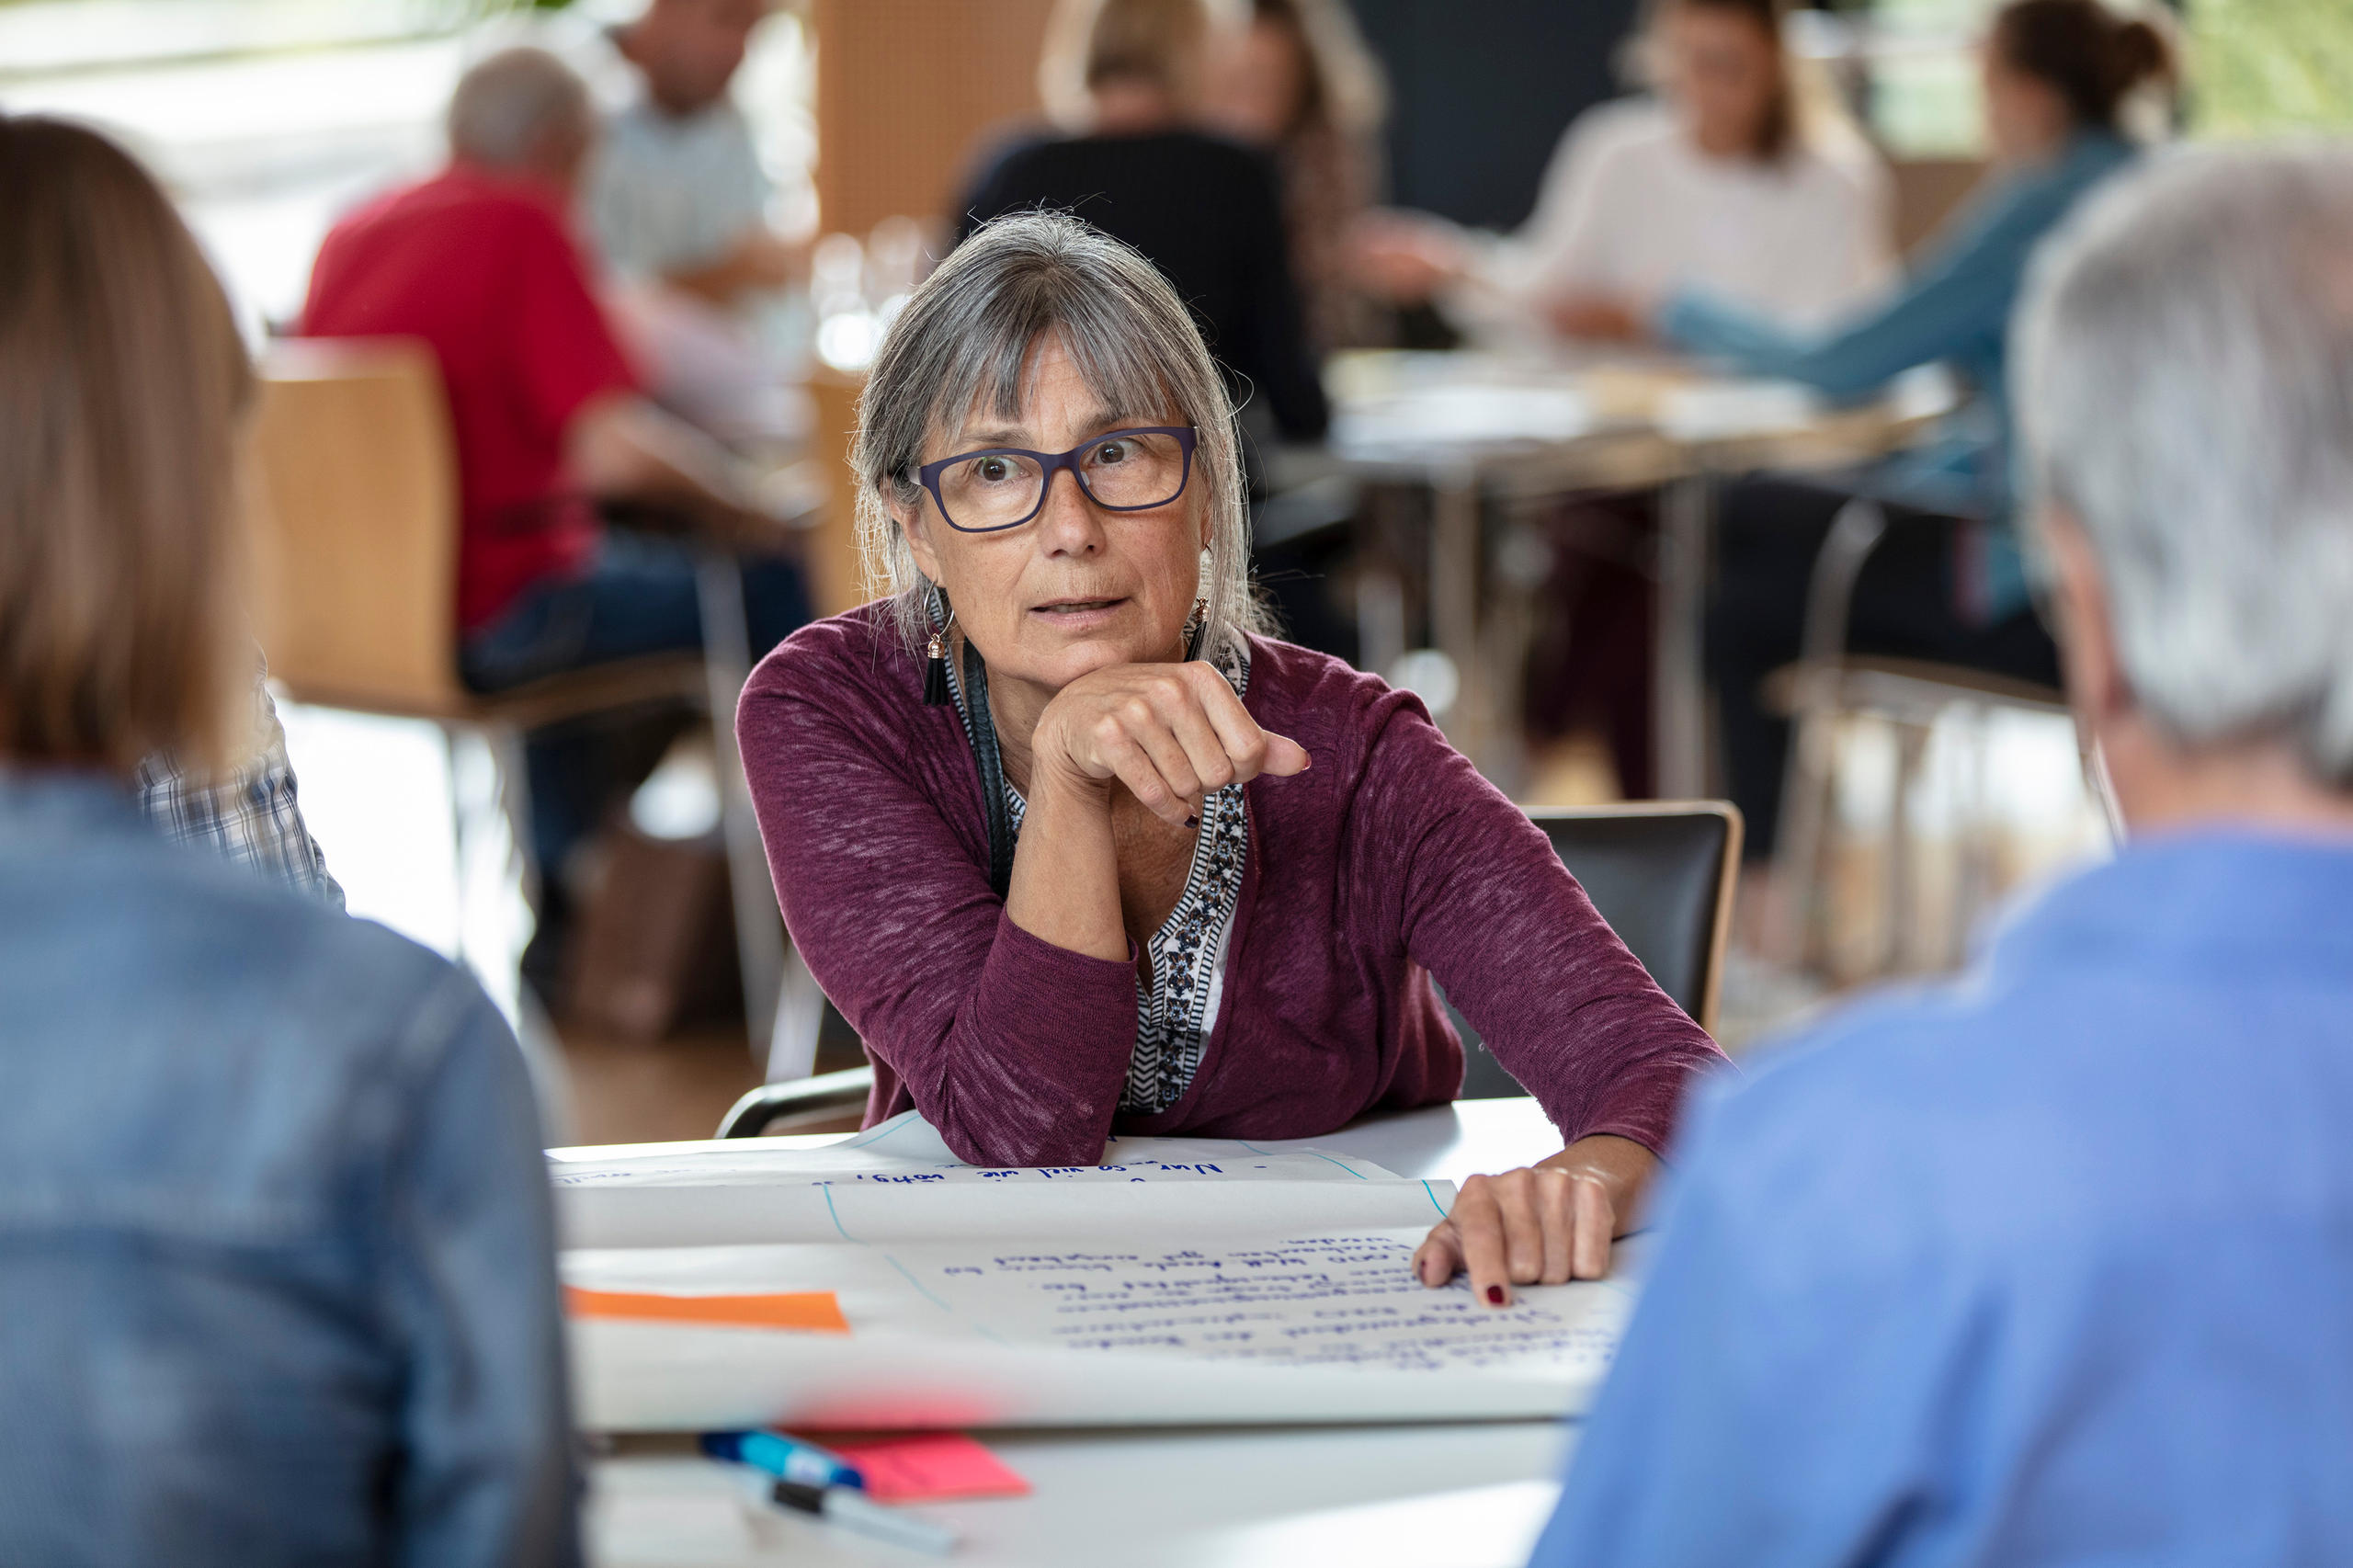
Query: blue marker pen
[{"x": 786, "y": 1458}]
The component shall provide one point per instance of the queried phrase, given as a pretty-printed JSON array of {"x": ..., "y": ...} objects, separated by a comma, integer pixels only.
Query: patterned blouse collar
[{"x": 1174, "y": 1012}]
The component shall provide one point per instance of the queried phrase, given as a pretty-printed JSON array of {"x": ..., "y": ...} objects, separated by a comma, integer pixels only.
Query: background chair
[
  {"x": 1821, "y": 693},
  {"x": 1660, "y": 872},
  {"x": 354, "y": 534}
]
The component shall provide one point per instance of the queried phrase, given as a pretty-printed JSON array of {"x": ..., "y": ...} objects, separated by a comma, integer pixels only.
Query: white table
[
  {"x": 1525, "y": 428},
  {"x": 1471, "y": 1495}
]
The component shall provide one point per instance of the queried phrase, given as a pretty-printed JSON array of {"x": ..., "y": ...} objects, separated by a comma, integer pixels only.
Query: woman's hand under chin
[
  {"x": 1542, "y": 1225},
  {"x": 1169, "y": 733}
]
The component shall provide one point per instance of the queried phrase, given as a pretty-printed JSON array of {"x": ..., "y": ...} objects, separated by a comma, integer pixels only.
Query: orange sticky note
[
  {"x": 922, "y": 1467},
  {"x": 814, "y": 1311}
]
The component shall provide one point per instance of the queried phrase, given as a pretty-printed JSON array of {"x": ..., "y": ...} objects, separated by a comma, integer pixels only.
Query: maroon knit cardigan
[{"x": 1389, "y": 861}]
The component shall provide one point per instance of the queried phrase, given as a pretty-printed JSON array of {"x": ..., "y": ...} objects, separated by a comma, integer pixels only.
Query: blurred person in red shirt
[{"x": 480, "y": 261}]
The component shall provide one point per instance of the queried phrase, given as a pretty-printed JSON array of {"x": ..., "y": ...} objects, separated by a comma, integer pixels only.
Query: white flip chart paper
[
  {"x": 1326, "y": 1325},
  {"x": 1175, "y": 1280},
  {"x": 1330, "y": 1299}
]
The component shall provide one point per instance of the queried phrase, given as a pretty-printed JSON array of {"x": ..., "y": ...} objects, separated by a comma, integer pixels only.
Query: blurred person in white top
[
  {"x": 678, "y": 192},
  {"x": 1727, "y": 179},
  {"x": 679, "y": 205}
]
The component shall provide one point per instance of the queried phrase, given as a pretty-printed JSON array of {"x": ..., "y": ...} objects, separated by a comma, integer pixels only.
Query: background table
[
  {"x": 1469, "y": 1495},
  {"x": 1520, "y": 431}
]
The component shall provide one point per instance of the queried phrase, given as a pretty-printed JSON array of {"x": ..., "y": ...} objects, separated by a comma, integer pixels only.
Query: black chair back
[{"x": 1661, "y": 873}]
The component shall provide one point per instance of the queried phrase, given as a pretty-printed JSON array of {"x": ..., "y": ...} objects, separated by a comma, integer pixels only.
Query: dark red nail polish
[
  {"x": 1494, "y": 1295},
  {"x": 1192, "y": 822}
]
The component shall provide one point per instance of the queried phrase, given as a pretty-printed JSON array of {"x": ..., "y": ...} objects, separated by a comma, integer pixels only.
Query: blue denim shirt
[
  {"x": 2050, "y": 1265},
  {"x": 276, "y": 1271},
  {"x": 1955, "y": 309}
]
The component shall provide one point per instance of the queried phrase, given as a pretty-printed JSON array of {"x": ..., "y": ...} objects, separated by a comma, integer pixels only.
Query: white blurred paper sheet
[
  {"x": 907, "y": 1145},
  {"x": 900, "y": 1181},
  {"x": 1728, "y": 410},
  {"x": 874, "y": 1209},
  {"x": 1328, "y": 1325},
  {"x": 1462, "y": 414}
]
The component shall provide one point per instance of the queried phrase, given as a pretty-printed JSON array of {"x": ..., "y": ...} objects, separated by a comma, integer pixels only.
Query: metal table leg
[
  {"x": 1454, "y": 608},
  {"x": 759, "y": 930},
  {"x": 1678, "y": 691}
]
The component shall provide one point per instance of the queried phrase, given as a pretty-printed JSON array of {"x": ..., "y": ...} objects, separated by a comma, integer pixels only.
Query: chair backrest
[
  {"x": 835, "y": 575},
  {"x": 1660, "y": 872},
  {"x": 355, "y": 526}
]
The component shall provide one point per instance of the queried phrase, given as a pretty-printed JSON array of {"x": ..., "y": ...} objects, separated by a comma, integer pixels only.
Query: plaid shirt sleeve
[{"x": 250, "y": 817}]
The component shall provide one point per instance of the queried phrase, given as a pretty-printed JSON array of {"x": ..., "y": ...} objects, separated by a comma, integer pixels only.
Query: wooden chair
[
  {"x": 1660, "y": 872},
  {"x": 355, "y": 547},
  {"x": 354, "y": 543}
]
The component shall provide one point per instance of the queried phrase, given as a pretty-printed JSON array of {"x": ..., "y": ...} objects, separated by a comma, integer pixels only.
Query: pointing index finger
[{"x": 1253, "y": 749}]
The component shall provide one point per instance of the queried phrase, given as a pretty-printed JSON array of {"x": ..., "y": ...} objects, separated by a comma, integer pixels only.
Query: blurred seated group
[
  {"x": 2049, "y": 1266},
  {"x": 1732, "y": 220},
  {"x": 583, "y": 501},
  {"x": 604, "y": 393},
  {"x": 1731, "y": 213}
]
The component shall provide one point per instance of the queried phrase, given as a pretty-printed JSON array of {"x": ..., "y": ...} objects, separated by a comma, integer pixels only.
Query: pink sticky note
[{"x": 922, "y": 1467}]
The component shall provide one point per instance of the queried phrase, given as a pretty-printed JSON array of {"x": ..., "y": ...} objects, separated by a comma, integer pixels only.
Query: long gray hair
[{"x": 964, "y": 343}]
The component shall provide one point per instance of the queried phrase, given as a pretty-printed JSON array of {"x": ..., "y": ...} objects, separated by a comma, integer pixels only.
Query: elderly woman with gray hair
[{"x": 1077, "y": 848}]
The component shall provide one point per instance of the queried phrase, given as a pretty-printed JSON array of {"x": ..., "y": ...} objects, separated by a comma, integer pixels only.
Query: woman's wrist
[
  {"x": 1055, "y": 779},
  {"x": 1065, "y": 869},
  {"x": 1619, "y": 1163}
]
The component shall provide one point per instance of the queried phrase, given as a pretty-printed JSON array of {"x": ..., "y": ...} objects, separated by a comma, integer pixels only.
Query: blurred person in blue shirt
[
  {"x": 2054, "y": 1264},
  {"x": 1947, "y": 583},
  {"x": 277, "y": 1283}
]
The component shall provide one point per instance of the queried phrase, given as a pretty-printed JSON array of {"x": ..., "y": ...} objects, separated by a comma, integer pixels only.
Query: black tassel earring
[
  {"x": 1198, "y": 622},
  {"x": 935, "y": 672}
]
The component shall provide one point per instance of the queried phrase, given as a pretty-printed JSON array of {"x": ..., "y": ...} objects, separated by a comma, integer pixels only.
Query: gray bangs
[{"x": 963, "y": 347}]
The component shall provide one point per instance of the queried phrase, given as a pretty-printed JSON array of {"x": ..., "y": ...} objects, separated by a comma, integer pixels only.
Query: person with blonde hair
[
  {"x": 1127, "y": 79},
  {"x": 1299, "y": 84},
  {"x": 275, "y": 1249}
]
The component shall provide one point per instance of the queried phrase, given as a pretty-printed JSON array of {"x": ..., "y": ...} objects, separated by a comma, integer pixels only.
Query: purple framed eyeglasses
[{"x": 996, "y": 488}]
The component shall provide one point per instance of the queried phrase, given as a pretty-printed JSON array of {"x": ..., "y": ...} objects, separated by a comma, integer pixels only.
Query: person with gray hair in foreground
[{"x": 2055, "y": 1264}]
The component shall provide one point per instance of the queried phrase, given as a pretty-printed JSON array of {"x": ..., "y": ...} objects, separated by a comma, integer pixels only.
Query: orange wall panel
[{"x": 908, "y": 91}]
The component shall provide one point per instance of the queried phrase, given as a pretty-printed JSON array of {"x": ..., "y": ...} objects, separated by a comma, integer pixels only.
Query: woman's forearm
[{"x": 1065, "y": 885}]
